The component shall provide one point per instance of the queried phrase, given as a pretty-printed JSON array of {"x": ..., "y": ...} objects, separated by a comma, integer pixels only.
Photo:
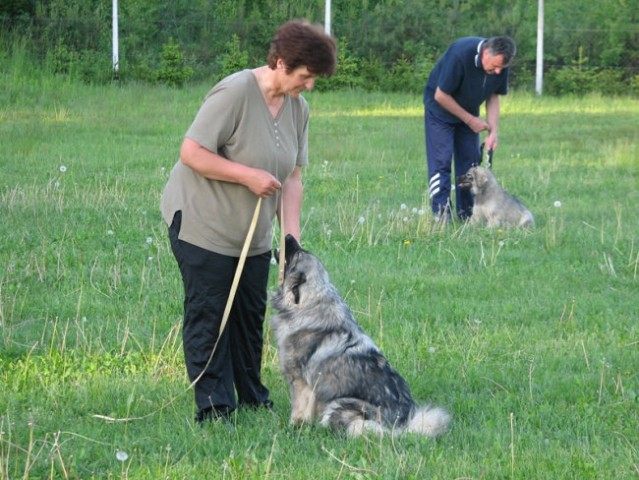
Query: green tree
[{"x": 173, "y": 68}]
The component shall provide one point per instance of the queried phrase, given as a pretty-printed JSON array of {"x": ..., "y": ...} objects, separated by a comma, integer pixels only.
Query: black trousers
[{"x": 236, "y": 363}]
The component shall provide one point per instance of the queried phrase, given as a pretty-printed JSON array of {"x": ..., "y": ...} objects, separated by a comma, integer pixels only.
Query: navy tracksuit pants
[{"x": 445, "y": 141}]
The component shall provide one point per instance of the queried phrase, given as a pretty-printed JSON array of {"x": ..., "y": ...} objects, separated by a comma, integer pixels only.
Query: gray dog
[
  {"x": 493, "y": 204},
  {"x": 336, "y": 373}
]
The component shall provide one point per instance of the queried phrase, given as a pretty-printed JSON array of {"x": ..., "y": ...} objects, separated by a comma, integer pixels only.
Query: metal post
[
  {"x": 540, "y": 48},
  {"x": 116, "y": 47},
  {"x": 327, "y": 17}
]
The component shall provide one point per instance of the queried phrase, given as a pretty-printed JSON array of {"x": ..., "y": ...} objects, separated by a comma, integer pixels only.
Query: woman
[{"x": 248, "y": 140}]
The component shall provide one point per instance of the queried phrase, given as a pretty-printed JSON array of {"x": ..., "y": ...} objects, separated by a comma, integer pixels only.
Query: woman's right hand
[{"x": 262, "y": 183}]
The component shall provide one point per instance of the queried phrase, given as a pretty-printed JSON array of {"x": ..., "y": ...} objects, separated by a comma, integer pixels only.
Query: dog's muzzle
[{"x": 465, "y": 181}]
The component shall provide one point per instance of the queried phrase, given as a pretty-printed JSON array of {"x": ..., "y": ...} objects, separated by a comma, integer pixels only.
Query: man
[{"x": 472, "y": 71}]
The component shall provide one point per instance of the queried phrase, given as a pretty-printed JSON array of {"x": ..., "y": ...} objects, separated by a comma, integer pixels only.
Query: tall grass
[{"x": 529, "y": 338}]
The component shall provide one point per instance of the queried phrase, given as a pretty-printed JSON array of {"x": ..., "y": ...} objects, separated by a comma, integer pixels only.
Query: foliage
[
  {"x": 233, "y": 59},
  {"x": 581, "y": 79},
  {"x": 385, "y": 38},
  {"x": 346, "y": 72},
  {"x": 173, "y": 69}
]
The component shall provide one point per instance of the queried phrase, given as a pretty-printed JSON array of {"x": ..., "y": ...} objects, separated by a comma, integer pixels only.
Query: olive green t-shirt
[{"x": 234, "y": 121}]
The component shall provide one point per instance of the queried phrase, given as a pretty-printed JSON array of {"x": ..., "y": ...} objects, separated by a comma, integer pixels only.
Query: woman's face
[{"x": 296, "y": 81}]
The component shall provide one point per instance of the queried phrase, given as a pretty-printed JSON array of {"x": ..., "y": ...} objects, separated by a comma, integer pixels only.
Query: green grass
[{"x": 529, "y": 338}]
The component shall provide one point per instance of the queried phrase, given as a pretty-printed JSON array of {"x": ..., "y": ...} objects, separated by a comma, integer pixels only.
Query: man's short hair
[{"x": 502, "y": 45}]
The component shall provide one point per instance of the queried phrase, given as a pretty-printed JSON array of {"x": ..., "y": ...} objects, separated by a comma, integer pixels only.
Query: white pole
[
  {"x": 116, "y": 47},
  {"x": 540, "y": 48},
  {"x": 327, "y": 17}
]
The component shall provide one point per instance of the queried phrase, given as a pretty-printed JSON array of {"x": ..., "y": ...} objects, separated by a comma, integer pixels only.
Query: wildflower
[
  {"x": 406, "y": 242},
  {"x": 403, "y": 206},
  {"x": 121, "y": 456},
  {"x": 63, "y": 168},
  {"x": 501, "y": 243},
  {"x": 361, "y": 220},
  {"x": 557, "y": 204},
  {"x": 149, "y": 240},
  {"x": 110, "y": 232},
  {"x": 432, "y": 350}
]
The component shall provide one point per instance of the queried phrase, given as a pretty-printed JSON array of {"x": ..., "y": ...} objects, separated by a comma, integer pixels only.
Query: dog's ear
[{"x": 297, "y": 279}]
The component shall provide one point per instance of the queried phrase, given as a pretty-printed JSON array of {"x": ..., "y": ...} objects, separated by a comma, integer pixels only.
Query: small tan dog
[{"x": 493, "y": 204}]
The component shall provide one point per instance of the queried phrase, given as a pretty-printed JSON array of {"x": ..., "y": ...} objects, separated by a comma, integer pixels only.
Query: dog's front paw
[{"x": 297, "y": 421}]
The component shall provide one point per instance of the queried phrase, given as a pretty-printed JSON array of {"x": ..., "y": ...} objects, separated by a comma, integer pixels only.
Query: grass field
[{"x": 530, "y": 339}]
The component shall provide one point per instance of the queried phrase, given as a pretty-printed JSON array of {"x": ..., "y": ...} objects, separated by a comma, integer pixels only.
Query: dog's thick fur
[
  {"x": 492, "y": 204},
  {"x": 336, "y": 373}
]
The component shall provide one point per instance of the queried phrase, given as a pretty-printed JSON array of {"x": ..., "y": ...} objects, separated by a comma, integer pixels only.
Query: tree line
[{"x": 385, "y": 45}]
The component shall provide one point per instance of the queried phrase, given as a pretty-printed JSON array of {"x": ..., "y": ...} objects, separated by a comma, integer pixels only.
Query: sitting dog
[
  {"x": 335, "y": 372},
  {"x": 492, "y": 204}
]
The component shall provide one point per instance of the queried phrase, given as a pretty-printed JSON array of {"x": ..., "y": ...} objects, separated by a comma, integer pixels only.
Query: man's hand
[
  {"x": 490, "y": 142},
  {"x": 477, "y": 124}
]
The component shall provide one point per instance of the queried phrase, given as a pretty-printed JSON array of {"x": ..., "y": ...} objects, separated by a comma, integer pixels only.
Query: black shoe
[
  {"x": 267, "y": 404},
  {"x": 213, "y": 413}
]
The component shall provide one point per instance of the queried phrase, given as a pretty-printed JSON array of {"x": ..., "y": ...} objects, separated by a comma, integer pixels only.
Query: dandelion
[
  {"x": 329, "y": 232},
  {"x": 110, "y": 232},
  {"x": 149, "y": 240},
  {"x": 414, "y": 210},
  {"x": 84, "y": 320},
  {"x": 63, "y": 168},
  {"x": 405, "y": 219},
  {"x": 403, "y": 206},
  {"x": 273, "y": 261},
  {"x": 407, "y": 242},
  {"x": 326, "y": 163},
  {"x": 361, "y": 220},
  {"x": 352, "y": 282},
  {"x": 150, "y": 259},
  {"x": 501, "y": 243},
  {"x": 56, "y": 184},
  {"x": 420, "y": 212},
  {"x": 432, "y": 350},
  {"x": 121, "y": 456},
  {"x": 557, "y": 204}
]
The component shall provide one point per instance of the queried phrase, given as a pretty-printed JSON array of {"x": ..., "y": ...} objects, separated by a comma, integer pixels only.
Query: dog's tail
[{"x": 429, "y": 421}]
